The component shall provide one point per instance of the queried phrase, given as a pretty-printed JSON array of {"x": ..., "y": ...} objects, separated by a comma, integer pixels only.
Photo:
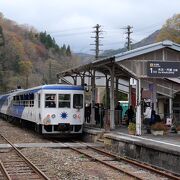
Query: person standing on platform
[
  {"x": 97, "y": 117},
  {"x": 130, "y": 114},
  {"x": 87, "y": 113},
  {"x": 147, "y": 118},
  {"x": 101, "y": 115},
  {"x": 119, "y": 110},
  {"x": 153, "y": 117}
]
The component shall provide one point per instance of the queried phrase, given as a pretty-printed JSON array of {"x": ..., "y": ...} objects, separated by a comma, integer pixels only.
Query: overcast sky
[{"x": 71, "y": 21}]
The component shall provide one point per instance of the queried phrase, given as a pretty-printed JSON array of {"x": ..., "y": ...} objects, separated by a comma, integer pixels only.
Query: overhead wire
[
  {"x": 108, "y": 33},
  {"x": 71, "y": 29}
]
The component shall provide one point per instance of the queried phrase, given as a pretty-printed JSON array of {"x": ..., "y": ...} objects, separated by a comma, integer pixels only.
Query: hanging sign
[{"x": 163, "y": 69}]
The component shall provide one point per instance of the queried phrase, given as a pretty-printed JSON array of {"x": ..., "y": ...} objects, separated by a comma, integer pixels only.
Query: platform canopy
[
  {"x": 136, "y": 64},
  {"x": 100, "y": 65}
]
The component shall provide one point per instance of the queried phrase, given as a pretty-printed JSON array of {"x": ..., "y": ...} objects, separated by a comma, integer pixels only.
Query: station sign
[{"x": 163, "y": 69}]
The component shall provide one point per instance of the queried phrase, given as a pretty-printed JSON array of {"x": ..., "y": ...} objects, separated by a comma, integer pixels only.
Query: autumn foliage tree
[
  {"x": 25, "y": 69},
  {"x": 1, "y": 37},
  {"x": 170, "y": 30},
  {"x": 28, "y": 57}
]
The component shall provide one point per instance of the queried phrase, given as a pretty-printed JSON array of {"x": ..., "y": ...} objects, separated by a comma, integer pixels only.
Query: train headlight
[
  {"x": 53, "y": 116},
  {"x": 74, "y": 116}
]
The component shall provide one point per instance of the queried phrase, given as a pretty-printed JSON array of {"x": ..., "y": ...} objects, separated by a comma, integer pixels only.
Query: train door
[
  {"x": 78, "y": 106},
  {"x": 37, "y": 108}
]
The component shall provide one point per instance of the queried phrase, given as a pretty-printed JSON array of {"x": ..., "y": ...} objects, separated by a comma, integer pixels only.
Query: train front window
[
  {"x": 64, "y": 100},
  {"x": 78, "y": 101},
  {"x": 50, "y": 100}
]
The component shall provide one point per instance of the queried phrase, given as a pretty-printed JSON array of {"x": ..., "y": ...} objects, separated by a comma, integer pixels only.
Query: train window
[
  {"x": 78, "y": 101},
  {"x": 50, "y": 100},
  {"x": 31, "y": 98},
  {"x": 64, "y": 100}
]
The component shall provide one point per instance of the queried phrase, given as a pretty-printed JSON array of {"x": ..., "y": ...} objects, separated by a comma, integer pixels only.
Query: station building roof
[
  {"x": 133, "y": 64},
  {"x": 147, "y": 49},
  {"x": 101, "y": 64}
]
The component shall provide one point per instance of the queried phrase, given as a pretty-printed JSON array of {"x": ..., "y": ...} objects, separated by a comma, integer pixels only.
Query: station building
[{"x": 150, "y": 73}]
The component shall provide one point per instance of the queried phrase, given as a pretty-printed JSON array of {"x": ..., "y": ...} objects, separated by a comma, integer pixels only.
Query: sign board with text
[{"x": 163, "y": 69}]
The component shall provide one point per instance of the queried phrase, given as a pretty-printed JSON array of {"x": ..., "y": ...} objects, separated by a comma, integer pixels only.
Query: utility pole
[
  {"x": 128, "y": 37},
  {"x": 97, "y": 37},
  {"x": 50, "y": 72}
]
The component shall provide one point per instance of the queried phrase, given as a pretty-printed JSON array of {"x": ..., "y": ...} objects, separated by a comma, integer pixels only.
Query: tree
[
  {"x": 171, "y": 30},
  {"x": 68, "y": 51},
  {"x": 52, "y": 68},
  {"x": 63, "y": 50},
  {"x": 1, "y": 37},
  {"x": 25, "y": 68}
]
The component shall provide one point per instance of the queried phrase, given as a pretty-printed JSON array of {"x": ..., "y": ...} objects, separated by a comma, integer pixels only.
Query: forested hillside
[{"x": 29, "y": 58}]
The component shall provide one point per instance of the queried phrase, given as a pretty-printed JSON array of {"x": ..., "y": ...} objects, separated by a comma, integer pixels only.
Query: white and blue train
[{"x": 52, "y": 109}]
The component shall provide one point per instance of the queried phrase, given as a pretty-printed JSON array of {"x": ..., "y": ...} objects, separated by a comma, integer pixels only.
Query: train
[{"x": 52, "y": 109}]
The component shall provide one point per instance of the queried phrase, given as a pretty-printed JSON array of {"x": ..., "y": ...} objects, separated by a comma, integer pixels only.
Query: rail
[
  {"x": 150, "y": 168},
  {"x": 27, "y": 161},
  {"x": 145, "y": 166}
]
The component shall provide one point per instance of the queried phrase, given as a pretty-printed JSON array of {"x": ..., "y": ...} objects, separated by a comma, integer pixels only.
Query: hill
[
  {"x": 85, "y": 58},
  {"x": 148, "y": 40},
  {"x": 29, "y": 58}
]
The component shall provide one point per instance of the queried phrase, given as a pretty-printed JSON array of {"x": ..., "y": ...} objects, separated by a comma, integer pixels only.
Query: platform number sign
[{"x": 163, "y": 69}]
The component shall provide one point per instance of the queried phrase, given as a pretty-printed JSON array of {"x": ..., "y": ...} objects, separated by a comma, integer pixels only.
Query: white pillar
[
  {"x": 171, "y": 103},
  {"x": 170, "y": 108},
  {"x": 154, "y": 98},
  {"x": 116, "y": 90},
  {"x": 138, "y": 107}
]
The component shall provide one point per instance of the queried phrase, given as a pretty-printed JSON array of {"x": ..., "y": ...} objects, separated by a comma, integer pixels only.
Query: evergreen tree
[
  {"x": 1, "y": 37},
  {"x": 68, "y": 51},
  {"x": 63, "y": 50}
]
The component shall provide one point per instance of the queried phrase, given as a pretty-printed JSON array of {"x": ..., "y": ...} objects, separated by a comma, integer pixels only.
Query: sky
[{"x": 72, "y": 21}]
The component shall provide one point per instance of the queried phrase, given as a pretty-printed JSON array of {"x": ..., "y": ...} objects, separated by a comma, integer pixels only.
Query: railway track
[
  {"x": 12, "y": 166},
  {"x": 15, "y": 166},
  {"x": 129, "y": 167}
]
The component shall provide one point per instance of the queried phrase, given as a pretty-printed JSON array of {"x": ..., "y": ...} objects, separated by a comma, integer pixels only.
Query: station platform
[{"x": 161, "y": 151}]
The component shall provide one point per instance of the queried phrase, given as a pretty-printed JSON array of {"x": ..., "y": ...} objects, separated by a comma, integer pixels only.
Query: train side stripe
[
  {"x": 2, "y": 100},
  {"x": 63, "y": 88},
  {"x": 53, "y": 88}
]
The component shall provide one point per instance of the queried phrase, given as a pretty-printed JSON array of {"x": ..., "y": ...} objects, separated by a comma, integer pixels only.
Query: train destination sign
[{"x": 163, "y": 69}]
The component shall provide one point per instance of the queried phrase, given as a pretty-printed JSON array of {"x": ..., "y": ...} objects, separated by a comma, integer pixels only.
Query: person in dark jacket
[
  {"x": 97, "y": 116},
  {"x": 87, "y": 113},
  {"x": 153, "y": 117},
  {"x": 130, "y": 114},
  {"x": 101, "y": 115},
  {"x": 118, "y": 112}
]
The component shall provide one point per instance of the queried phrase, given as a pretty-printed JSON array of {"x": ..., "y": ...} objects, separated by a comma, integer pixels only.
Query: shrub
[
  {"x": 178, "y": 128},
  {"x": 159, "y": 127},
  {"x": 132, "y": 127}
]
